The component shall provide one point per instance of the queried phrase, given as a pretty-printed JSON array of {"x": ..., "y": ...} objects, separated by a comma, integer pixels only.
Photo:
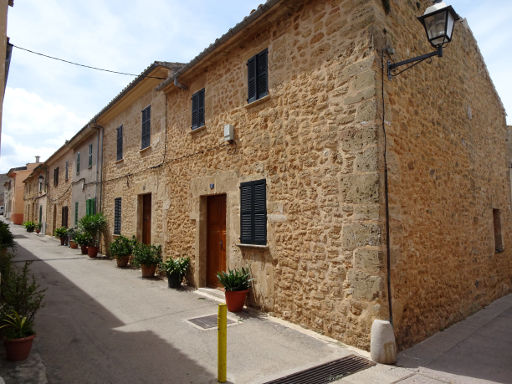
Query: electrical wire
[{"x": 83, "y": 65}]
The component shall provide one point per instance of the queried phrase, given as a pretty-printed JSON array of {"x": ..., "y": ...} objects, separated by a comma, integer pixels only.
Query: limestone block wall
[
  {"x": 448, "y": 171},
  {"x": 59, "y": 196},
  {"x": 314, "y": 139},
  {"x": 139, "y": 171}
]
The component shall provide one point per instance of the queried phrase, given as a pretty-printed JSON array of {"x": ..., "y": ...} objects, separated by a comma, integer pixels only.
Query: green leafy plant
[
  {"x": 16, "y": 326},
  {"x": 21, "y": 293},
  {"x": 6, "y": 236},
  {"x": 144, "y": 254},
  {"x": 61, "y": 232},
  {"x": 29, "y": 225},
  {"x": 82, "y": 238},
  {"x": 178, "y": 266},
  {"x": 93, "y": 225},
  {"x": 235, "y": 279},
  {"x": 121, "y": 247}
]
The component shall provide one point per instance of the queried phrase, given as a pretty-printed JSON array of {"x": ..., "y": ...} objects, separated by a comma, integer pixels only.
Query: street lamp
[{"x": 438, "y": 21}]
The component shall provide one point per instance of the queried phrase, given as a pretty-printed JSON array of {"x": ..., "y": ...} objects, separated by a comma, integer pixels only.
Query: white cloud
[{"x": 33, "y": 126}]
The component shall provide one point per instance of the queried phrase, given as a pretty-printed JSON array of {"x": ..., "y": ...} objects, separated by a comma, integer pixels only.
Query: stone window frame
[
  {"x": 257, "y": 76},
  {"x": 253, "y": 212},
  {"x": 198, "y": 109}
]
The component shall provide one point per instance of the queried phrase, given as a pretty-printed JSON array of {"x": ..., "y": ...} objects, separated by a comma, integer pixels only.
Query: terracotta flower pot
[
  {"x": 235, "y": 300},
  {"x": 92, "y": 251},
  {"x": 18, "y": 349},
  {"x": 148, "y": 270},
  {"x": 122, "y": 261},
  {"x": 83, "y": 249},
  {"x": 73, "y": 244}
]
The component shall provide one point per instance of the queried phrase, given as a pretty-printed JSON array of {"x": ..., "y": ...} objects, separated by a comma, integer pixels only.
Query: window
[
  {"x": 198, "y": 109},
  {"x": 65, "y": 217},
  {"x": 257, "y": 76},
  {"x": 40, "y": 184},
  {"x": 78, "y": 163},
  {"x": 90, "y": 207},
  {"x": 146, "y": 127},
  {"x": 90, "y": 156},
  {"x": 66, "y": 173},
  {"x": 120, "y": 143},
  {"x": 117, "y": 216},
  {"x": 253, "y": 212},
  {"x": 498, "y": 238},
  {"x": 76, "y": 213},
  {"x": 56, "y": 176}
]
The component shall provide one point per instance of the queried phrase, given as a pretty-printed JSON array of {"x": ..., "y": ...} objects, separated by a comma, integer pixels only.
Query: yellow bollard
[{"x": 222, "y": 342}]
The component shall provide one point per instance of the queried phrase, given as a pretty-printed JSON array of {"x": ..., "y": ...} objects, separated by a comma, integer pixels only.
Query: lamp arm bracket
[{"x": 415, "y": 60}]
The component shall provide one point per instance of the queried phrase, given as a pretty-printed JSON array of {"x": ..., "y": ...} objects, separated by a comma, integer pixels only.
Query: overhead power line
[{"x": 83, "y": 65}]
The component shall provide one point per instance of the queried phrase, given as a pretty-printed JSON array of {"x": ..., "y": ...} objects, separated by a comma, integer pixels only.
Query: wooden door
[
  {"x": 216, "y": 239},
  {"x": 146, "y": 218}
]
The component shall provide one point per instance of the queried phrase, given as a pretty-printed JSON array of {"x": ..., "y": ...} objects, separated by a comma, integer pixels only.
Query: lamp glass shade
[{"x": 438, "y": 22}]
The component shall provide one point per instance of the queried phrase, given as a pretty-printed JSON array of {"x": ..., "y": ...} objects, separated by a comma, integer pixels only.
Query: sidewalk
[{"x": 102, "y": 324}]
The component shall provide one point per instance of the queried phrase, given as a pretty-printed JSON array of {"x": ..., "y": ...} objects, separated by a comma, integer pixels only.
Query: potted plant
[
  {"x": 62, "y": 234},
  {"x": 121, "y": 248},
  {"x": 82, "y": 239},
  {"x": 175, "y": 269},
  {"x": 71, "y": 236},
  {"x": 93, "y": 225},
  {"x": 29, "y": 225},
  {"x": 38, "y": 227},
  {"x": 22, "y": 298},
  {"x": 147, "y": 257},
  {"x": 236, "y": 284}
]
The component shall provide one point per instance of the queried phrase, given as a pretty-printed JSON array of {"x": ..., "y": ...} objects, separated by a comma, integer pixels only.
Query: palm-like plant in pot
[
  {"x": 147, "y": 257},
  {"x": 62, "y": 234},
  {"x": 82, "y": 239},
  {"x": 236, "y": 284},
  {"x": 121, "y": 248},
  {"x": 175, "y": 269},
  {"x": 22, "y": 298},
  {"x": 93, "y": 225}
]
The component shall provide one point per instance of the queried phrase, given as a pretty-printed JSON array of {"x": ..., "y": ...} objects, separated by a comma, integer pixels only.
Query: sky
[{"x": 46, "y": 102}]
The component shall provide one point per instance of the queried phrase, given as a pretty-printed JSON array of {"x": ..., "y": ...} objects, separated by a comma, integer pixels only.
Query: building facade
[
  {"x": 35, "y": 196},
  {"x": 135, "y": 198},
  {"x": 16, "y": 192}
]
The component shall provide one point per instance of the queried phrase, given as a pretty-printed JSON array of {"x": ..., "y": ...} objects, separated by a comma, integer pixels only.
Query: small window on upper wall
[
  {"x": 146, "y": 128},
  {"x": 119, "y": 143},
  {"x": 78, "y": 163},
  {"x": 257, "y": 76},
  {"x": 66, "y": 173},
  {"x": 253, "y": 212},
  {"x": 198, "y": 109},
  {"x": 89, "y": 164},
  {"x": 56, "y": 176}
]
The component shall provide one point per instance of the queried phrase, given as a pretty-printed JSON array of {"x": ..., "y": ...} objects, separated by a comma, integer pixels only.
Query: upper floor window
[
  {"x": 56, "y": 176},
  {"x": 198, "y": 109},
  {"x": 90, "y": 156},
  {"x": 253, "y": 212},
  {"x": 66, "y": 173},
  {"x": 120, "y": 142},
  {"x": 117, "y": 216},
  {"x": 146, "y": 127},
  {"x": 78, "y": 163},
  {"x": 257, "y": 76}
]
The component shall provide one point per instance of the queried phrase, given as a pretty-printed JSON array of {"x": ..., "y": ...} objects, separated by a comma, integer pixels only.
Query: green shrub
[
  {"x": 29, "y": 225},
  {"x": 61, "y": 232},
  {"x": 93, "y": 225},
  {"x": 6, "y": 236},
  {"x": 83, "y": 238},
  {"x": 144, "y": 254},
  {"x": 235, "y": 279},
  {"x": 121, "y": 246},
  {"x": 176, "y": 266}
]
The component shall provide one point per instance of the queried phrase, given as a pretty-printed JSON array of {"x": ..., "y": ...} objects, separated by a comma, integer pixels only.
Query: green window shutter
[
  {"x": 87, "y": 205},
  {"x": 93, "y": 206},
  {"x": 253, "y": 212},
  {"x": 251, "y": 79}
]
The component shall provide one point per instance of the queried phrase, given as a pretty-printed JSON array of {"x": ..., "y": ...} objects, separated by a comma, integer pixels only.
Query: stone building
[
  {"x": 5, "y": 52},
  {"x": 59, "y": 183},
  {"x": 296, "y": 189},
  {"x": 35, "y": 196},
  {"x": 16, "y": 190},
  {"x": 135, "y": 198},
  {"x": 85, "y": 173},
  {"x": 3, "y": 179}
]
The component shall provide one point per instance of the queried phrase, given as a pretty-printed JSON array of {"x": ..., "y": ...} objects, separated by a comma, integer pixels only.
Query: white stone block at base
[{"x": 383, "y": 343}]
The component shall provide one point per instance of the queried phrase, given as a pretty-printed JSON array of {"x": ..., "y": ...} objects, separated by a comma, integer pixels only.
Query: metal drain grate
[
  {"x": 207, "y": 322},
  {"x": 328, "y": 372}
]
